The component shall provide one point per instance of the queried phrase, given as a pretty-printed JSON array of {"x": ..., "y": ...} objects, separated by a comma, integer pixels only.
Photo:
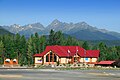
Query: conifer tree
[
  {"x": 1, "y": 52},
  {"x": 51, "y": 37},
  {"x": 29, "y": 51},
  {"x": 86, "y": 45}
]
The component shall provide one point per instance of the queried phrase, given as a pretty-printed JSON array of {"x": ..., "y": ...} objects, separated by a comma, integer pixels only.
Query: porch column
[
  {"x": 49, "y": 58},
  {"x": 78, "y": 59},
  {"x": 90, "y": 60},
  {"x": 72, "y": 61},
  {"x": 52, "y": 58},
  {"x": 43, "y": 60}
]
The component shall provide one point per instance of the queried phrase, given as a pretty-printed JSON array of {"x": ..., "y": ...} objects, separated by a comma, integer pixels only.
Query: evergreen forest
[{"x": 17, "y": 46}]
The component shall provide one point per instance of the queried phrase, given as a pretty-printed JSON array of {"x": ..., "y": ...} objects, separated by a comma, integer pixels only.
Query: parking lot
[{"x": 51, "y": 74}]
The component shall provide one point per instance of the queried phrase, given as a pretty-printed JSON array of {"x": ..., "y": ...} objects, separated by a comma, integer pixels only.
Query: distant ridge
[
  {"x": 3, "y": 31},
  {"x": 80, "y": 30}
]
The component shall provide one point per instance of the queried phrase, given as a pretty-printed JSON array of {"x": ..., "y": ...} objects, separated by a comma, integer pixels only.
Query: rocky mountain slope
[{"x": 3, "y": 31}]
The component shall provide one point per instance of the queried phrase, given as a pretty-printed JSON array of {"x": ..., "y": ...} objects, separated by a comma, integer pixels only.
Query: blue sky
[{"x": 100, "y": 13}]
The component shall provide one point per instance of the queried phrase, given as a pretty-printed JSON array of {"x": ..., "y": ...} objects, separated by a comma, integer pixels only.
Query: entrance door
[{"x": 77, "y": 59}]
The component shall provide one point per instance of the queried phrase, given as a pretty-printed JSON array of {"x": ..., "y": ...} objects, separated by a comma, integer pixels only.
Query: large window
[
  {"x": 51, "y": 57},
  {"x": 47, "y": 58},
  {"x": 55, "y": 58}
]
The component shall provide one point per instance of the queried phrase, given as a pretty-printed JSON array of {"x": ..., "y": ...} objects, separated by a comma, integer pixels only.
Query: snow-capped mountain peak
[
  {"x": 29, "y": 26},
  {"x": 79, "y": 30}
]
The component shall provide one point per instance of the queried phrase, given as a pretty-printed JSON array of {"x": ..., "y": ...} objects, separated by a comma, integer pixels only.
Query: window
[
  {"x": 52, "y": 57},
  {"x": 47, "y": 58},
  {"x": 39, "y": 60},
  {"x": 86, "y": 60},
  {"x": 55, "y": 58}
]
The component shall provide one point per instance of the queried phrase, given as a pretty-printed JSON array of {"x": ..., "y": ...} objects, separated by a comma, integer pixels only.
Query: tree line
[{"x": 17, "y": 46}]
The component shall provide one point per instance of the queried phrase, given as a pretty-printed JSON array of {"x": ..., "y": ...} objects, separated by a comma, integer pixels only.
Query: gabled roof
[
  {"x": 67, "y": 51},
  {"x": 105, "y": 62}
]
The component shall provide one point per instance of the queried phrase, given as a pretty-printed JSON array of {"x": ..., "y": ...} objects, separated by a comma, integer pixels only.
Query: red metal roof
[
  {"x": 38, "y": 55},
  {"x": 106, "y": 62},
  {"x": 92, "y": 53},
  {"x": 66, "y": 51}
]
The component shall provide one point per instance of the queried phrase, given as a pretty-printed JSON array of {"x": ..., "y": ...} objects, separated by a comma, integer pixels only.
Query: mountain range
[{"x": 80, "y": 30}]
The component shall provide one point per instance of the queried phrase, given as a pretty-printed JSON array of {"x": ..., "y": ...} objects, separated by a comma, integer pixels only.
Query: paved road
[{"x": 47, "y": 74}]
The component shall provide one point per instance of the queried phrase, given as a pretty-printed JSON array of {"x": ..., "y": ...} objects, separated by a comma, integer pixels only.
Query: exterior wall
[
  {"x": 67, "y": 60},
  {"x": 82, "y": 60},
  {"x": 94, "y": 59},
  {"x": 88, "y": 60},
  {"x": 63, "y": 60},
  {"x": 85, "y": 60},
  {"x": 38, "y": 60}
]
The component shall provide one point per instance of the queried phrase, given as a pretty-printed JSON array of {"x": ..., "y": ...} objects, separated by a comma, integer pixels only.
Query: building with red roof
[
  {"x": 66, "y": 54},
  {"x": 105, "y": 63}
]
